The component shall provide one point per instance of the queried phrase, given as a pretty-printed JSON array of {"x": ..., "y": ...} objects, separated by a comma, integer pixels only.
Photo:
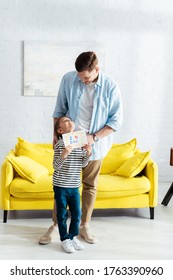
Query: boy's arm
[
  {"x": 58, "y": 160},
  {"x": 60, "y": 156}
]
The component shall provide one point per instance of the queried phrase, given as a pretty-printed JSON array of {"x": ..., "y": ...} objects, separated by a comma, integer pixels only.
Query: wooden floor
[{"x": 126, "y": 234}]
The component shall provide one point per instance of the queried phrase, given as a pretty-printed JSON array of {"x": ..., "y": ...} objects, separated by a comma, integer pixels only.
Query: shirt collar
[{"x": 99, "y": 80}]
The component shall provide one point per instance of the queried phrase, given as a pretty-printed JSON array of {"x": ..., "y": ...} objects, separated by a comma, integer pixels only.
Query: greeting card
[{"x": 76, "y": 139}]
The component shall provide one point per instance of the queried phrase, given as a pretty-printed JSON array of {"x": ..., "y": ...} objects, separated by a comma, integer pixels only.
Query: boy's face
[
  {"x": 66, "y": 125},
  {"x": 89, "y": 77}
]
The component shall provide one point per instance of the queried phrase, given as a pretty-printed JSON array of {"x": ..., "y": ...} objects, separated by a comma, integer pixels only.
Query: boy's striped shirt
[{"x": 67, "y": 172}]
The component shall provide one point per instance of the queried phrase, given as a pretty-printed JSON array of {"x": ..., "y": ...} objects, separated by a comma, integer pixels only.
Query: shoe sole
[
  {"x": 44, "y": 243},
  {"x": 69, "y": 252}
]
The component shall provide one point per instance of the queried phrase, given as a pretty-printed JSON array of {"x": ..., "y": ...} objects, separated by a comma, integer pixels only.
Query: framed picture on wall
[{"x": 45, "y": 63}]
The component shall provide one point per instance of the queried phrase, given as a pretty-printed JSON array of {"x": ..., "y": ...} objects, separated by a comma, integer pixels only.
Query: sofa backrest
[{"x": 43, "y": 154}]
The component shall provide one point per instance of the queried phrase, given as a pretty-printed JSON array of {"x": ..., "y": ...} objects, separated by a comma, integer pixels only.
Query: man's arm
[
  {"x": 55, "y": 138},
  {"x": 105, "y": 131}
]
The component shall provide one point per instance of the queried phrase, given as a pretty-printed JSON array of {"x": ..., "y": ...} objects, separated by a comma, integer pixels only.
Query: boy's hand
[
  {"x": 66, "y": 151},
  {"x": 88, "y": 148}
]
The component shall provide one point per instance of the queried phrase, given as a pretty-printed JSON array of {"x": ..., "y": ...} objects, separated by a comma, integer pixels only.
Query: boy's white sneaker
[
  {"x": 68, "y": 246},
  {"x": 77, "y": 244}
]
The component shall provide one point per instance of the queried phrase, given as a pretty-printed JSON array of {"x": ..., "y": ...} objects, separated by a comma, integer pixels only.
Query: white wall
[{"x": 137, "y": 35}]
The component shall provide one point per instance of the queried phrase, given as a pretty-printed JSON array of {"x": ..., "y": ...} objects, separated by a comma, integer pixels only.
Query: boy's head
[
  {"x": 87, "y": 67},
  {"x": 63, "y": 125}
]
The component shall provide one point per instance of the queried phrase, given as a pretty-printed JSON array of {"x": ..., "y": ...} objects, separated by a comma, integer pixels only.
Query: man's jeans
[{"x": 67, "y": 197}]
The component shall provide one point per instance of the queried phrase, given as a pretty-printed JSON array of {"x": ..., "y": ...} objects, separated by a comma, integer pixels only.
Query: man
[{"x": 93, "y": 101}]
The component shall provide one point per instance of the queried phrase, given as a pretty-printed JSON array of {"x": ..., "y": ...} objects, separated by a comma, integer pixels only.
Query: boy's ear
[
  {"x": 60, "y": 130},
  {"x": 97, "y": 69}
]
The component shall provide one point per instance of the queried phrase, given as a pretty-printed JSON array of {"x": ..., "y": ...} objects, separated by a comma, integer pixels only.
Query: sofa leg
[
  {"x": 5, "y": 216},
  {"x": 168, "y": 196},
  {"x": 152, "y": 213}
]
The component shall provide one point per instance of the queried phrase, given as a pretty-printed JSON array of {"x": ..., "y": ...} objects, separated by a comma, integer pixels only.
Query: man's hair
[{"x": 86, "y": 61}]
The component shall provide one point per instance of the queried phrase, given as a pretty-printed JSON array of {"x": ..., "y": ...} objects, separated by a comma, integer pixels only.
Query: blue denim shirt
[{"x": 107, "y": 107}]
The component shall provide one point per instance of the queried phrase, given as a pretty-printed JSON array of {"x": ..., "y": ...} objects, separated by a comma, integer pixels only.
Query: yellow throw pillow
[
  {"x": 117, "y": 155},
  {"x": 133, "y": 165},
  {"x": 28, "y": 168},
  {"x": 41, "y": 153}
]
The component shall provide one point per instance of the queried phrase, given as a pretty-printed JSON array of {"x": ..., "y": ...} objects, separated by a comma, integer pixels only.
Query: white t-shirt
[{"x": 86, "y": 107}]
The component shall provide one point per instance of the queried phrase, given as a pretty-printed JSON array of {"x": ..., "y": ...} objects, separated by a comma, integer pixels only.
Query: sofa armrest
[
  {"x": 151, "y": 172},
  {"x": 6, "y": 177}
]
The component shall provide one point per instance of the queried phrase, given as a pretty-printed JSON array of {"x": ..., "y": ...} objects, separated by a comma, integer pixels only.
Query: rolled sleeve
[{"x": 115, "y": 117}]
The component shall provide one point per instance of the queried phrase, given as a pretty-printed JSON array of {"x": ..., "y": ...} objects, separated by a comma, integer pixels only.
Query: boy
[{"x": 68, "y": 164}]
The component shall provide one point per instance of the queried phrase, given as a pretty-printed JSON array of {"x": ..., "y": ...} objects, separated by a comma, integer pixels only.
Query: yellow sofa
[{"x": 128, "y": 178}]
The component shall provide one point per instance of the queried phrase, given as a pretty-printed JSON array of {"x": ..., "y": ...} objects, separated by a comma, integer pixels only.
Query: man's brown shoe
[
  {"x": 85, "y": 232},
  {"x": 49, "y": 236}
]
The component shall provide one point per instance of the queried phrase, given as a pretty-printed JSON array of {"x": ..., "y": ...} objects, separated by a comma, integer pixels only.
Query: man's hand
[
  {"x": 55, "y": 140},
  {"x": 90, "y": 139},
  {"x": 88, "y": 148}
]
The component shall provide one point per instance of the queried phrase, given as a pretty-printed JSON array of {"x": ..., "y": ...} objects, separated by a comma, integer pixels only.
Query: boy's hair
[
  {"x": 56, "y": 127},
  {"x": 86, "y": 61}
]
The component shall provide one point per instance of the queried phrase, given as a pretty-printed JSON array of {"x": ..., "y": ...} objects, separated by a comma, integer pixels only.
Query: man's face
[{"x": 89, "y": 77}]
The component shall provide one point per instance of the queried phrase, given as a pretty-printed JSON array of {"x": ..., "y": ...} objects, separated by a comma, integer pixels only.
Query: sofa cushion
[
  {"x": 25, "y": 189},
  {"x": 108, "y": 186},
  {"x": 117, "y": 186},
  {"x": 42, "y": 153},
  {"x": 133, "y": 165},
  {"x": 117, "y": 155},
  {"x": 28, "y": 168}
]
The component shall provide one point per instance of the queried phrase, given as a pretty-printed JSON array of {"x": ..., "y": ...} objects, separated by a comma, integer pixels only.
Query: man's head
[{"x": 87, "y": 67}]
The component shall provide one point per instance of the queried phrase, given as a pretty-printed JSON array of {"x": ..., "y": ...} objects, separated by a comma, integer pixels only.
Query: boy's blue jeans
[{"x": 67, "y": 197}]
